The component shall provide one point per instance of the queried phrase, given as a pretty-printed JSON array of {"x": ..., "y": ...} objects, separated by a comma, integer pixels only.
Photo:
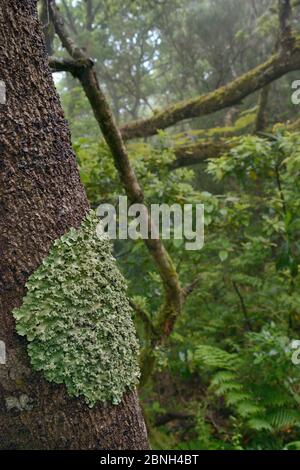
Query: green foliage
[
  {"x": 77, "y": 319},
  {"x": 261, "y": 390},
  {"x": 214, "y": 357},
  {"x": 97, "y": 170},
  {"x": 236, "y": 332}
]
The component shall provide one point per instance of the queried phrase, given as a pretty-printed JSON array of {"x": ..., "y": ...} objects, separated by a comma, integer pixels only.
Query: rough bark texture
[{"x": 41, "y": 197}]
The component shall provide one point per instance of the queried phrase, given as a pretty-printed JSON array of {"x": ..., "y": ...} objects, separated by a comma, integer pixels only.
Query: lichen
[{"x": 77, "y": 319}]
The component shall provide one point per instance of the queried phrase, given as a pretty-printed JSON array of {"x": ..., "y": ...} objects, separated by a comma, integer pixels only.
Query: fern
[
  {"x": 257, "y": 400},
  {"x": 223, "y": 377},
  {"x": 246, "y": 409},
  {"x": 259, "y": 424},
  {"x": 216, "y": 358},
  {"x": 228, "y": 387},
  {"x": 284, "y": 418},
  {"x": 233, "y": 398}
]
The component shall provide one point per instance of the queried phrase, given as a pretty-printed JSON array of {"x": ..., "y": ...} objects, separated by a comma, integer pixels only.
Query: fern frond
[
  {"x": 228, "y": 387},
  {"x": 258, "y": 424},
  {"x": 216, "y": 358},
  {"x": 275, "y": 397},
  {"x": 283, "y": 418},
  {"x": 246, "y": 409},
  {"x": 234, "y": 398},
  {"x": 223, "y": 377}
]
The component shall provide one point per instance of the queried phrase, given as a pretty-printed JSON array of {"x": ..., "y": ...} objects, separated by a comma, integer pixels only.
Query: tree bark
[{"x": 41, "y": 197}]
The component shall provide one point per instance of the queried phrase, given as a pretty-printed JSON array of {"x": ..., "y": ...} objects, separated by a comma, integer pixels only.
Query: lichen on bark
[{"x": 77, "y": 318}]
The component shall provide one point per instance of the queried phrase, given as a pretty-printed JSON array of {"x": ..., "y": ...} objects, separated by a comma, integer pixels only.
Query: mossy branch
[
  {"x": 261, "y": 116},
  {"x": 231, "y": 94},
  {"x": 200, "y": 152}
]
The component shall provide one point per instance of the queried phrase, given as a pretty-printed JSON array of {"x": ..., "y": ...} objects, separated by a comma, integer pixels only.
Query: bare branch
[
  {"x": 75, "y": 52},
  {"x": 243, "y": 306},
  {"x": 202, "y": 151},
  {"x": 89, "y": 14},
  {"x": 70, "y": 17},
  {"x": 187, "y": 290},
  {"x": 65, "y": 65}
]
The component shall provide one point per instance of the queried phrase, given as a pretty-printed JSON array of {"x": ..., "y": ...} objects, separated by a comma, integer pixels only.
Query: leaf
[
  {"x": 293, "y": 446},
  {"x": 259, "y": 424},
  {"x": 223, "y": 255},
  {"x": 216, "y": 358}
]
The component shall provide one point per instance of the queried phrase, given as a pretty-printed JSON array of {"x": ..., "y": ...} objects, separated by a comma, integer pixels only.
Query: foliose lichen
[{"x": 77, "y": 319}]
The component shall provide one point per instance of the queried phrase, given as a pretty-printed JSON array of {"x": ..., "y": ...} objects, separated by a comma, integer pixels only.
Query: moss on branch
[
  {"x": 196, "y": 153},
  {"x": 229, "y": 95}
]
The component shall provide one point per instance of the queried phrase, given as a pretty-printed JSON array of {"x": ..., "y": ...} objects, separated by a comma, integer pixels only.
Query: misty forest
[{"x": 139, "y": 344}]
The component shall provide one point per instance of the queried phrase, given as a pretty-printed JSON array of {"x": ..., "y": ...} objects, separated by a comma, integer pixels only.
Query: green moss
[{"x": 77, "y": 318}]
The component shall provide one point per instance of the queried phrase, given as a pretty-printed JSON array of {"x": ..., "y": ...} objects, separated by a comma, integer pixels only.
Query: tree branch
[
  {"x": 75, "y": 52},
  {"x": 199, "y": 152},
  {"x": 231, "y": 94},
  {"x": 48, "y": 28},
  {"x": 187, "y": 290},
  {"x": 70, "y": 17},
  {"x": 145, "y": 318},
  {"x": 285, "y": 13},
  {"x": 261, "y": 116},
  {"x": 243, "y": 306},
  {"x": 87, "y": 75},
  {"x": 166, "y": 418},
  {"x": 89, "y": 14},
  {"x": 65, "y": 65}
]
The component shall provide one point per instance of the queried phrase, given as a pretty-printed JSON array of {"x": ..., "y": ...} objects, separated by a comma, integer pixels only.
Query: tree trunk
[{"x": 41, "y": 197}]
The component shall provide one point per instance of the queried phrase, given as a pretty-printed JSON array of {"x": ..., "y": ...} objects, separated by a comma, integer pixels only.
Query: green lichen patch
[{"x": 77, "y": 318}]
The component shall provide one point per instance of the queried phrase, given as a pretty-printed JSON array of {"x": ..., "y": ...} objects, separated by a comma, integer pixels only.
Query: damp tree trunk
[{"x": 41, "y": 197}]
